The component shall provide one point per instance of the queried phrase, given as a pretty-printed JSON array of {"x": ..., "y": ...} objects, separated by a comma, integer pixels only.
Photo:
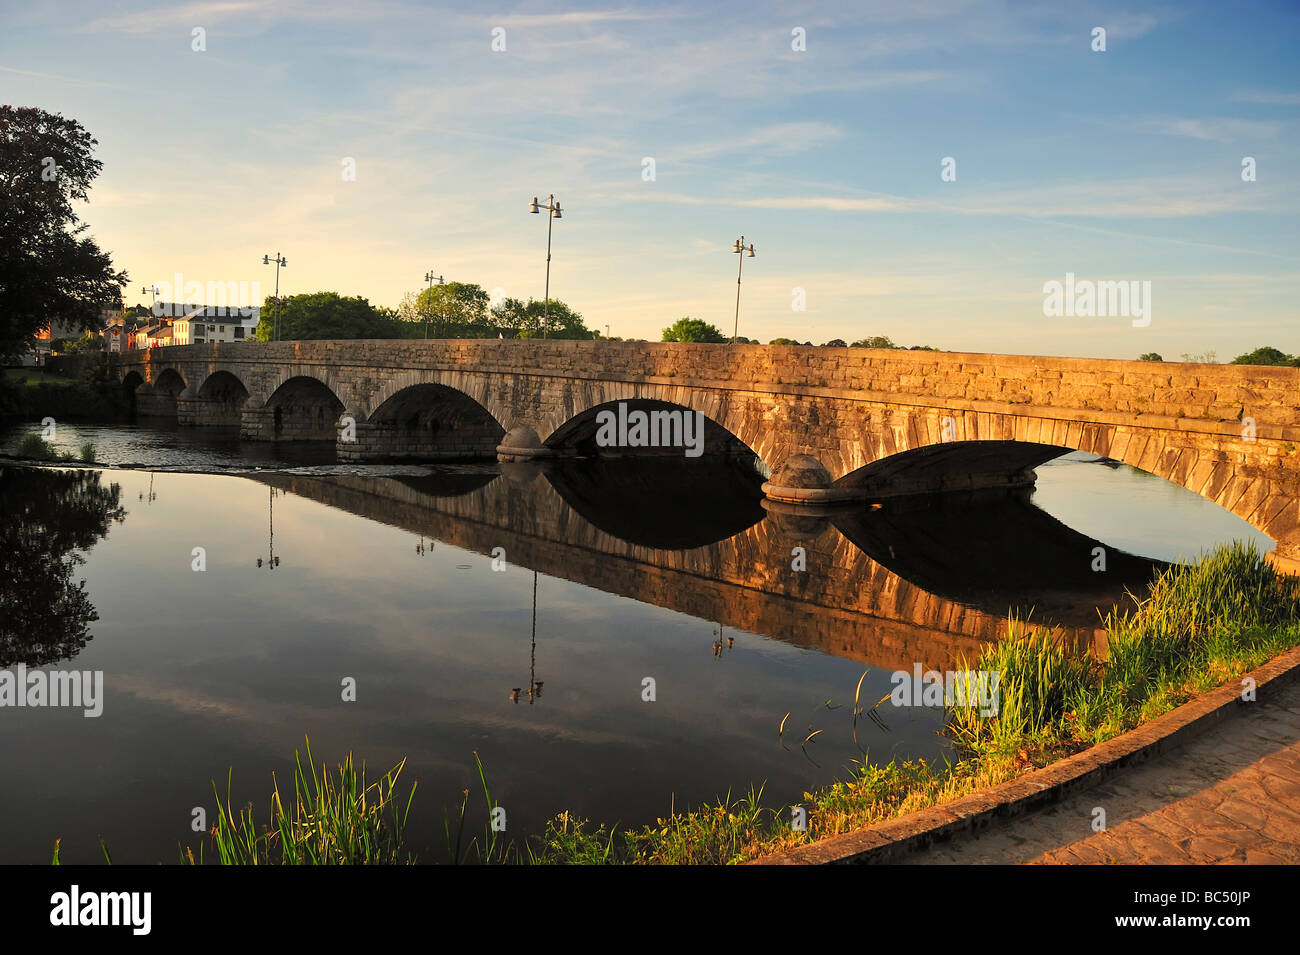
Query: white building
[{"x": 213, "y": 324}]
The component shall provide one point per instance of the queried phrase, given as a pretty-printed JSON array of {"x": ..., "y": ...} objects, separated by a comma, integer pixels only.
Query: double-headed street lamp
[
  {"x": 280, "y": 262},
  {"x": 553, "y": 208},
  {"x": 154, "y": 301},
  {"x": 739, "y": 247},
  {"x": 429, "y": 277}
]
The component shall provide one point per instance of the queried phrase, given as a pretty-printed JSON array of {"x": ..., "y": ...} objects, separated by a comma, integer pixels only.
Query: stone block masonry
[{"x": 877, "y": 422}]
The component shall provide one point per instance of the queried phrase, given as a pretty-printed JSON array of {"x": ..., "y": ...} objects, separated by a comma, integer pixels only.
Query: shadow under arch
[
  {"x": 303, "y": 408},
  {"x": 952, "y": 466},
  {"x": 431, "y": 421},
  {"x": 224, "y": 386},
  {"x": 664, "y": 433}
]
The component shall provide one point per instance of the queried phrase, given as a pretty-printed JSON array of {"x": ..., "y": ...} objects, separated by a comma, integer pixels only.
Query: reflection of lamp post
[
  {"x": 421, "y": 549},
  {"x": 152, "y": 495},
  {"x": 272, "y": 561},
  {"x": 534, "y": 684},
  {"x": 280, "y": 262},
  {"x": 553, "y": 208},
  {"x": 739, "y": 247},
  {"x": 429, "y": 277}
]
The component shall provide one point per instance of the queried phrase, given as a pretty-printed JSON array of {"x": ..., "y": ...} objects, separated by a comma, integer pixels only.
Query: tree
[
  {"x": 875, "y": 341},
  {"x": 1266, "y": 355},
  {"x": 1204, "y": 358},
  {"x": 455, "y": 310},
  {"x": 689, "y": 329},
  {"x": 1150, "y": 356},
  {"x": 835, "y": 343},
  {"x": 323, "y": 315},
  {"x": 49, "y": 270},
  {"x": 562, "y": 322}
]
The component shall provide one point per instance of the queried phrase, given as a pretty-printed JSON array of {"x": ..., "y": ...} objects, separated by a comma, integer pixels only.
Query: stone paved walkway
[{"x": 1229, "y": 796}]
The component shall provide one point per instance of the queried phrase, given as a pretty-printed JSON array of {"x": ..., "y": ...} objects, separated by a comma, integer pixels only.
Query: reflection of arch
[
  {"x": 662, "y": 502},
  {"x": 430, "y": 420},
  {"x": 666, "y": 426},
  {"x": 991, "y": 548}
]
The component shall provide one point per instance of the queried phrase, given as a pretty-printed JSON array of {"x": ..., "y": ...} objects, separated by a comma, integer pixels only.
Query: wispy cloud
[
  {"x": 1272, "y": 97},
  {"x": 1212, "y": 129},
  {"x": 77, "y": 81}
]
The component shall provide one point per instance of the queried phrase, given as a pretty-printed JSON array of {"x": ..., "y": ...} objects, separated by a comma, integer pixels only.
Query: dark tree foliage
[
  {"x": 1266, "y": 355},
  {"x": 323, "y": 315},
  {"x": 49, "y": 518},
  {"x": 49, "y": 269}
]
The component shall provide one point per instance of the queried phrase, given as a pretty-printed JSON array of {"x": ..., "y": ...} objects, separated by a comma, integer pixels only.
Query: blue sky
[{"x": 1115, "y": 165}]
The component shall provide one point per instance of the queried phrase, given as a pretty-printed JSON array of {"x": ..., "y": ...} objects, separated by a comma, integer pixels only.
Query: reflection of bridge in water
[{"x": 917, "y": 580}]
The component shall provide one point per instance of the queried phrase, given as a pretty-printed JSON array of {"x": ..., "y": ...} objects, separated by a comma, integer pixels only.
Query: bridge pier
[{"x": 521, "y": 443}]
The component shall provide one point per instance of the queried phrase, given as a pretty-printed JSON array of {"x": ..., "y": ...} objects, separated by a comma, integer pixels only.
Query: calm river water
[{"x": 318, "y": 576}]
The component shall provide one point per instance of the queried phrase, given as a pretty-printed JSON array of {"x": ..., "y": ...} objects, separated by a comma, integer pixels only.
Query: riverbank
[
  {"x": 1200, "y": 629},
  {"x": 1203, "y": 625},
  {"x": 82, "y": 393}
]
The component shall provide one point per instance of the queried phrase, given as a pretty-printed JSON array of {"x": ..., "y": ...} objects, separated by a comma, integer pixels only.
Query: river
[{"x": 610, "y": 640}]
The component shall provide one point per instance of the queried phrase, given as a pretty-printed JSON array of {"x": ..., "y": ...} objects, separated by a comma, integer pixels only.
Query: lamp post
[
  {"x": 429, "y": 277},
  {"x": 280, "y": 262},
  {"x": 739, "y": 247},
  {"x": 553, "y": 208},
  {"x": 153, "y": 290}
]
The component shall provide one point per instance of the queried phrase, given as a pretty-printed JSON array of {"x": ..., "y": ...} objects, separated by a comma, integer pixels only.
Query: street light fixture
[
  {"x": 429, "y": 277},
  {"x": 280, "y": 262},
  {"x": 553, "y": 208},
  {"x": 739, "y": 248}
]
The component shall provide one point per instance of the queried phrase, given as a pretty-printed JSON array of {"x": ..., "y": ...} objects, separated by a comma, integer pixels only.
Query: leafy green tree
[
  {"x": 1150, "y": 356},
  {"x": 323, "y": 315},
  {"x": 835, "y": 343},
  {"x": 49, "y": 270},
  {"x": 875, "y": 341},
  {"x": 689, "y": 329},
  {"x": 455, "y": 310},
  {"x": 783, "y": 341},
  {"x": 528, "y": 320},
  {"x": 1267, "y": 355}
]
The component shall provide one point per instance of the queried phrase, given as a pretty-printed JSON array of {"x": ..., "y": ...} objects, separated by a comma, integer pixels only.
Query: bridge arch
[
  {"x": 426, "y": 421},
  {"x": 952, "y": 452},
  {"x": 300, "y": 408}
]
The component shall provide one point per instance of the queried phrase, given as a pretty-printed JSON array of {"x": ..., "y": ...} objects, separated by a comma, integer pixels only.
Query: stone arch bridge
[{"x": 827, "y": 425}]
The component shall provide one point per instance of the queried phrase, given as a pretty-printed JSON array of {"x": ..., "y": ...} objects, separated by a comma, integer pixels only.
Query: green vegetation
[
  {"x": 687, "y": 329},
  {"x": 339, "y": 820},
  {"x": 50, "y": 270},
  {"x": 1267, "y": 355},
  {"x": 1150, "y": 356},
  {"x": 35, "y": 447},
  {"x": 84, "y": 391},
  {"x": 1202, "y": 625}
]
